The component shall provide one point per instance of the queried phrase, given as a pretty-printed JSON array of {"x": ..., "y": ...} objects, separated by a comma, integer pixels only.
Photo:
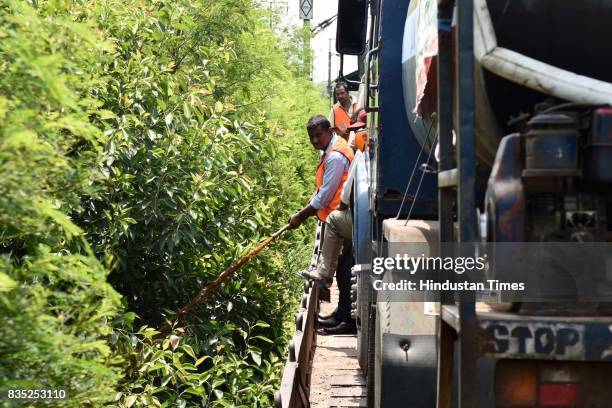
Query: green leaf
[
  {"x": 199, "y": 391},
  {"x": 6, "y": 283},
  {"x": 187, "y": 348},
  {"x": 256, "y": 357},
  {"x": 218, "y": 107},
  {"x": 46, "y": 210},
  {"x": 129, "y": 401},
  {"x": 106, "y": 114},
  {"x": 219, "y": 394},
  {"x": 267, "y": 340},
  {"x": 201, "y": 360}
]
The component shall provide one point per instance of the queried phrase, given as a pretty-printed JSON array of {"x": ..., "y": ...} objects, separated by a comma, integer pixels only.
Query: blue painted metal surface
[
  {"x": 505, "y": 198},
  {"x": 362, "y": 234},
  {"x": 396, "y": 146}
]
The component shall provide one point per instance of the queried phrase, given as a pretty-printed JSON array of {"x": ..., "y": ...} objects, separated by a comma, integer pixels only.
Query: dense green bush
[
  {"x": 155, "y": 140},
  {"x": 55, "y": 304},
  {"x": 190, "y": 158}
]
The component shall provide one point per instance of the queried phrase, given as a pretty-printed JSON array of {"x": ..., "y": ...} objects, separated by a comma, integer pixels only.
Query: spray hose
[{"x": 205, "y": 292}]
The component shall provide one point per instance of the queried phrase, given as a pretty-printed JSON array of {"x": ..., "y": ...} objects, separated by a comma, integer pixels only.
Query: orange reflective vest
[
  {"x": 361, "y": 139},
  {"x": 342, "y": 120},
  {"x": 339, "y": 146}
]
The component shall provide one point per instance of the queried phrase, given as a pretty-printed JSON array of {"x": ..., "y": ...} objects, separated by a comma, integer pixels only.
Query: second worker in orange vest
[
  {"x": 331, "y": 173},
  {"x": 341, "y": 112}
]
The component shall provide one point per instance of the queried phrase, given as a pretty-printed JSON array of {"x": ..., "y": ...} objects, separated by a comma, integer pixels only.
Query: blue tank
[{"x": 395, "y": 147}]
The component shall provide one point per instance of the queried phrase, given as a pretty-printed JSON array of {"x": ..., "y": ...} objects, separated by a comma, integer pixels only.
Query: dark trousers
[{"x": 343, "y": 279}]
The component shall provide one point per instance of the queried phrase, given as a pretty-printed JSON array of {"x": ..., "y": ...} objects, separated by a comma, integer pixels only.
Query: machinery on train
[{"x": 490, "y": 121}]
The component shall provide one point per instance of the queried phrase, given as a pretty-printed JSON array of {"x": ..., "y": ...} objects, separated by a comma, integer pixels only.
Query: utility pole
[
  {"x": 307, "y": 47},
  {"x": 306, "y": 16},
  {"x": 329, "y": 60},
  {"x": 270, "y": 10}
]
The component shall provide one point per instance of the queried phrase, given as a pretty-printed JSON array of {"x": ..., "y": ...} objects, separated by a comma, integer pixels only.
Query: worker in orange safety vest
[
  {"x": 331, "y": 174},
  {"x": 340, "y": 114}
]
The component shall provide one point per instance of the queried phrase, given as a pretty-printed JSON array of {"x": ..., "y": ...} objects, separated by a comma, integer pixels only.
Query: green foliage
[
  {"x": 217, "y": 365},
  {"x": 47, "y": 340},
  {"x": 296, "y": 47},
  {"x": 55, "y": 304},
  {"x": 187, "y": 167},
  {"x": 155, "y": 141}
]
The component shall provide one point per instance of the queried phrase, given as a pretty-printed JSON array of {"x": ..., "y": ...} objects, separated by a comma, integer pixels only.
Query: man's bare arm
[{"x": 298, "y": 218}]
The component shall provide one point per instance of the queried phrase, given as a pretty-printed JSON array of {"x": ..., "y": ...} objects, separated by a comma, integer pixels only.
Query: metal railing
[{"x": 295, "y": 384}]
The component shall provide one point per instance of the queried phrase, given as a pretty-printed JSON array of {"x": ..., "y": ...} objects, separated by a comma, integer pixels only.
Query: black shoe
[
  {"x": 331, "y": 322},
  {"x": 342, "y": 328},
  {"x": 321, "y": 281}
]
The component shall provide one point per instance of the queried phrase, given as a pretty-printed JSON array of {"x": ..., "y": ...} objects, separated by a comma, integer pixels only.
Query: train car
[
  {"x": 490, "y": 133},
  {"x": 535, "y": 104}
]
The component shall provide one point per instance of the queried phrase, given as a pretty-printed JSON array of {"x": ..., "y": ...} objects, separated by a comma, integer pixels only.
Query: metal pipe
[
  {"x": 446, "y": 196},
  {"x": 369, "y": 55},
  {"x": 341, "y": 73},
  {"x": 466, "y": 201}
]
